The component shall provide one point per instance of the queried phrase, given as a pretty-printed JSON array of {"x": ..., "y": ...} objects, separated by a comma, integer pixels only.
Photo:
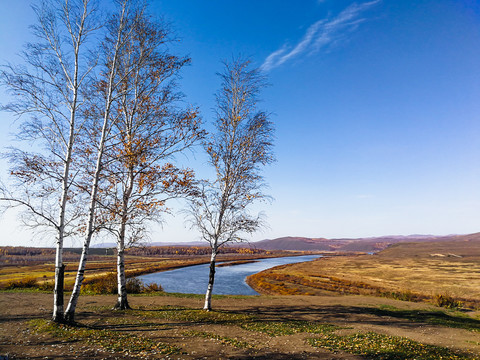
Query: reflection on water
[{"x": 229, "y": 280}]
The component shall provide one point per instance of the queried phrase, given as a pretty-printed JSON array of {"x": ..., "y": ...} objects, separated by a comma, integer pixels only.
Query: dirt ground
[{"x": 360, "y": 313}]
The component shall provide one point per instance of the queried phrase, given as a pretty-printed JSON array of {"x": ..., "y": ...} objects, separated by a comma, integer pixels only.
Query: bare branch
[{"x": 241, "y": 145}]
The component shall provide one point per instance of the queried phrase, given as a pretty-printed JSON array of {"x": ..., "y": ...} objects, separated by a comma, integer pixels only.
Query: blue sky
[{"x": 376, "y": 105}]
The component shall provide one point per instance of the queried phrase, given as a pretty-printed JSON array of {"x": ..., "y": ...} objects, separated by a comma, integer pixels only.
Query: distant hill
[
  {"x": 293, "y": 243},
  {"x": 463, "y": 246},
  {"x": 370, "y": 244}
]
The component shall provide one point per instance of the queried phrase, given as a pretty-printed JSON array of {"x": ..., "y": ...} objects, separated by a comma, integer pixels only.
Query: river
[{"x": 229, "y": 280}]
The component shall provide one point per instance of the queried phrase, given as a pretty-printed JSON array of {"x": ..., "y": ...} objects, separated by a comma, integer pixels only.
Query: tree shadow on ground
[
  {"x": 370, "y": 315},
  {"x": 23, "y": 317}
]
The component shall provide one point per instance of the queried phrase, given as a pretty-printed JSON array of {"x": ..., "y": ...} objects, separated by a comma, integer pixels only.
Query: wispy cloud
[{"x": 321, "y": 34}]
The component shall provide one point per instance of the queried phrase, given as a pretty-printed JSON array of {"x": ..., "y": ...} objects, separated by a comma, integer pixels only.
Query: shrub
[
  {"x": 46, "y": 286},
  {"x": 134, "y": 286},
  {"x": 107, "y": 284},
  {"x": 447, "y": 301},
  {"x": 152, "y": 288},
  {"x": 404, "y": 295},
  {"x": 27, "y": 282}
]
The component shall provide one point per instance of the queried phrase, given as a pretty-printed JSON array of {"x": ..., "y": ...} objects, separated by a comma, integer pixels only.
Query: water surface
[{"x": 229, "y": 280}]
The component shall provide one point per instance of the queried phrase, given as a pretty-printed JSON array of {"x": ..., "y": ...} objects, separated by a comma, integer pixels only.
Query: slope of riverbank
[{"x": 445, "y": 273}]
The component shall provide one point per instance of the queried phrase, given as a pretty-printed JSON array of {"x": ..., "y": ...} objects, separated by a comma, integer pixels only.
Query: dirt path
[{"x": 355, "y": 313}]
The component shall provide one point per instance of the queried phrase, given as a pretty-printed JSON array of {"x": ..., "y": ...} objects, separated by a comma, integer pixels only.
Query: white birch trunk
[
  {"x": 122, "y": 301},
  {"x": 58, "y": 301},
  {"x": 211, "y": 280},
  {"x": 59, "y": 266},
  {"x": 72, "y": 304},
  {"x": 58, "y": 289}
]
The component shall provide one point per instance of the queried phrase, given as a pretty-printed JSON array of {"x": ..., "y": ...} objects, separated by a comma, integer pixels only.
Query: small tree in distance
[{"x": 241, "y": 145}]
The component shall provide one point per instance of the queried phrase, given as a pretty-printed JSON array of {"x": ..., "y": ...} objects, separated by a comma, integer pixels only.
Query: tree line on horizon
[
  {"x": 28, "y": 256},
  {"x": 101, "y": 123}
]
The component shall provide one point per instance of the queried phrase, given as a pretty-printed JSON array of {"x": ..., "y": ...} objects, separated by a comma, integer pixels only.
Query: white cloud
[{"x": 321, "y": 34}]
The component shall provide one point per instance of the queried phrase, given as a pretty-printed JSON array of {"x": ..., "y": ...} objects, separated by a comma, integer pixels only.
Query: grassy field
[
  {"x": 445, "y": 273},
  {"x": 240, "y": 327},
  {"x": 333, "y": 324}
]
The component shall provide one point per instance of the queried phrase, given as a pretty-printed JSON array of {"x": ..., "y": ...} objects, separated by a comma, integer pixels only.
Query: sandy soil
[{"x": 17, "y": 341}]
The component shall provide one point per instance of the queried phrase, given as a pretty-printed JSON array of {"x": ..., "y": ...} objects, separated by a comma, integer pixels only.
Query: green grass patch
[
  {"x": 221, "y": 339},
  {"x": 383, "y": 347},
  {"x": 245, "y": 321},
  {"x": 27, "y": 290},
  {"x": 281, "y": 328},
  {"x": 388, "y": 307},
  {"x": 109, "y": 340},
  {"x": 194, "y": 315}
]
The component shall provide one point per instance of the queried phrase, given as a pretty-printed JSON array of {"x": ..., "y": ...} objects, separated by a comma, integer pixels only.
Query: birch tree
[
  {"x": 240, "y": 146},
  {"x": 150, "y": 131},
  {"x": 119, "y": 30},
  {"x": 48, "y": 93}
]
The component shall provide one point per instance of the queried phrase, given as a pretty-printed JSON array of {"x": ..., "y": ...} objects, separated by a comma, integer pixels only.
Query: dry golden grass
[
  {"x": 405, "y": 271},
  {"x": 102, "y": 265},
  {"x": 135, "y": 266}
]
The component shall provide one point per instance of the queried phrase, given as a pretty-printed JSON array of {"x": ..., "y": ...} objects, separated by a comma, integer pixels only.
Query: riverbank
[
  {"x": 443, "y": 273},
  {"x": 34, "y": 267},
  {"x": 229, "y": 280},
  {"x": 240, "y": 327}
]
